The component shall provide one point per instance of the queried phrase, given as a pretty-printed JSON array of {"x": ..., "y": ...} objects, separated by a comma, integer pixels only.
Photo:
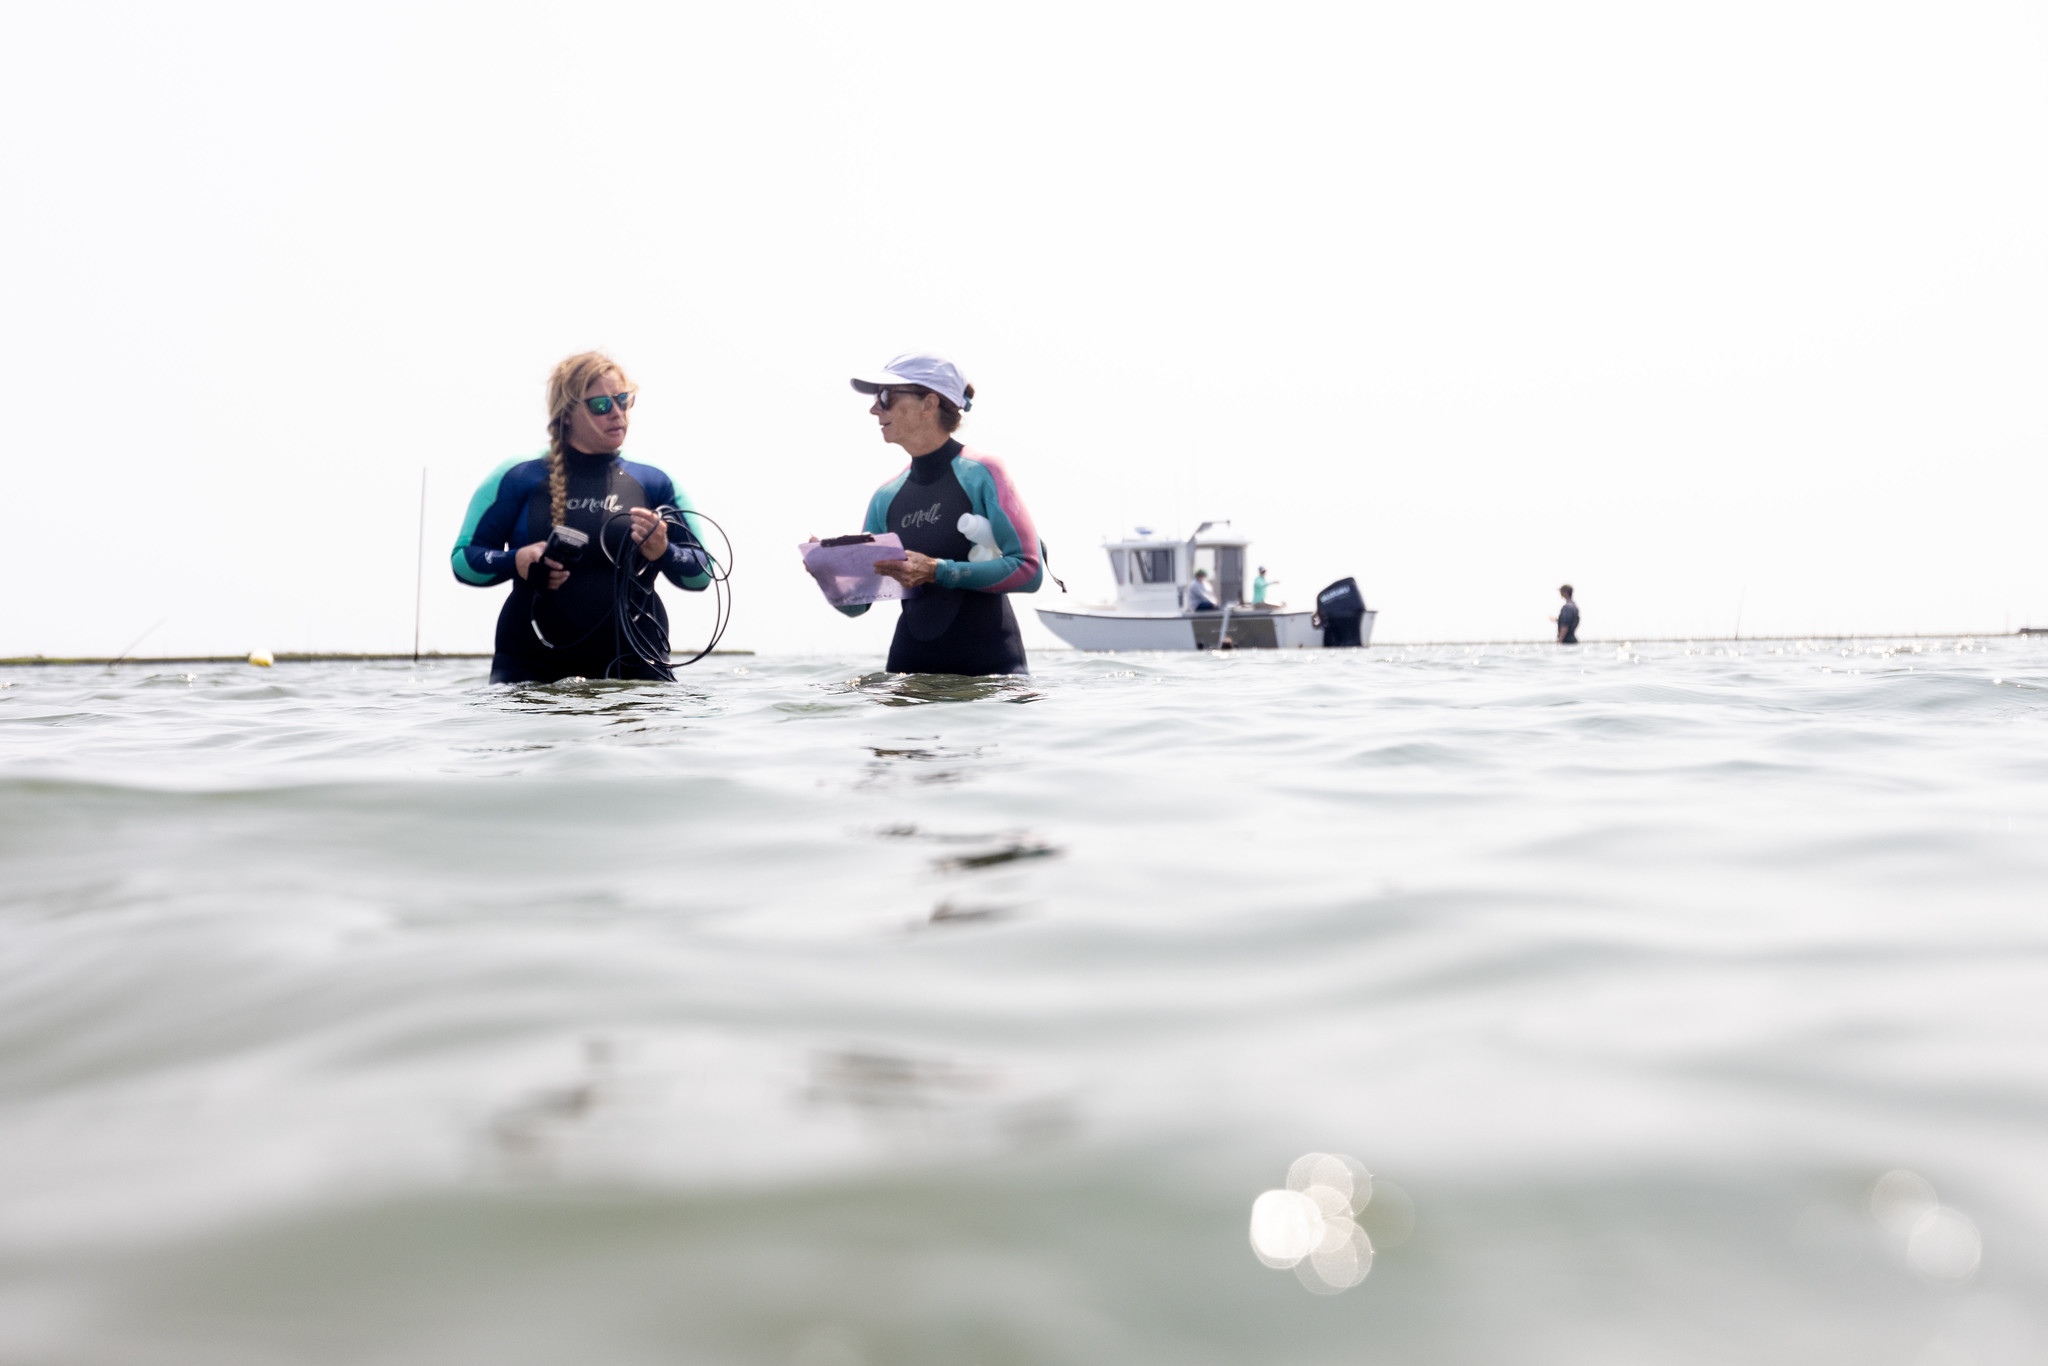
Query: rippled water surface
[{"x": 790, "y": 1015}]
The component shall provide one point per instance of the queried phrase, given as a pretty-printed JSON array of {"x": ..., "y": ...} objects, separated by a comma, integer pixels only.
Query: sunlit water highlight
[{"x": 786, "y": 1015}]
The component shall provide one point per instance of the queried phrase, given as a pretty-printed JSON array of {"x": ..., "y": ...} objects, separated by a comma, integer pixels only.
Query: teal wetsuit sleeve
[
  {"x": 686, "y": 563},
  {"x": 1019, "y": 568},
  {"x": 484, "y": 553},
  {"x": 874, "y": 524}
]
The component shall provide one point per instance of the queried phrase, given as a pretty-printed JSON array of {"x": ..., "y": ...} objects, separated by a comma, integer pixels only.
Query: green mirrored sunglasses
[{"x": 602, "y": 404}]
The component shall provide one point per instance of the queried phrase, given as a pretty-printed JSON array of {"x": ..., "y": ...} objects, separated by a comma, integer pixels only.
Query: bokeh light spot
[
  {"x": 1900, "y": 1199},
  {"x": 1311, "y": 1225},
  {"x": 1286, "y": 1226},
  {"x": 1945, "y": 1246}
]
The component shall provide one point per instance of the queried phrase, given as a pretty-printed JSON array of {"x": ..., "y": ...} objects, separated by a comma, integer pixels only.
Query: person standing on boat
[
  {"x": 1567, "y": 618},
  {"x": 970, "y": 542}
]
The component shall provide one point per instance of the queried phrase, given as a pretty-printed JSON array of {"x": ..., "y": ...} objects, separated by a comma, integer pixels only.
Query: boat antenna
[{"x": 419, "y": 567}]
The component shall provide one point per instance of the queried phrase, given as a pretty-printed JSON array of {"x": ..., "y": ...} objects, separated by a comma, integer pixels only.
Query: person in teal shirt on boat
[{"x": 1259, "y": 588}]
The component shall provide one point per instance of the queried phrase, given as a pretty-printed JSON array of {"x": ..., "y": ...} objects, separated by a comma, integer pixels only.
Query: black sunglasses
[
  {"x": 602, "y": 404},
  {"x": 884, "y": 397}
]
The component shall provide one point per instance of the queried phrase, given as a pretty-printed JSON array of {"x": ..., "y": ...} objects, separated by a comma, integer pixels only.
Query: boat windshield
[{"x": 1151, "y": 566}]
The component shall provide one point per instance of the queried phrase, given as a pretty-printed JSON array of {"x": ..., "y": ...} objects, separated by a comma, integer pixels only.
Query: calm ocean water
[{"x": 788, "y": 1015}]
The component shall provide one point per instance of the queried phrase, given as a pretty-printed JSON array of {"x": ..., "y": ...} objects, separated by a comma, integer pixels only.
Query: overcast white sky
[{"x": 1694, "y": 305}]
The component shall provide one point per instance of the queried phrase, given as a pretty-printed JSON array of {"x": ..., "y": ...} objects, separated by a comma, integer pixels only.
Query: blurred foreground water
[{"x": 1687, "y": 1005}]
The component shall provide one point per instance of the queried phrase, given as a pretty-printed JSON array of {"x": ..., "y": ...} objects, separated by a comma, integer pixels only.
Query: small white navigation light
[
  {"x": 261, "y": 658},
  {"x": 1312, "y": 1226}
]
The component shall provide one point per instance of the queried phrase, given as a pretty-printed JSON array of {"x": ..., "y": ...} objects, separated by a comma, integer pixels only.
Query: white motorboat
[{"x": 1152, "y": 575}]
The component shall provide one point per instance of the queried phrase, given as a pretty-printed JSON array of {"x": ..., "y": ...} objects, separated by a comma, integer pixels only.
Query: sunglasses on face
[
  {"x": 602, "y": 404},
  {"x": 884, "y": 397}
]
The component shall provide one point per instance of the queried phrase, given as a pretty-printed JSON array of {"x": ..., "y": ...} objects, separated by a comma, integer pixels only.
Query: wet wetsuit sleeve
[
  {"x": 686, "y": 564},
  {"x": 1021, "y": 566},
  {"x": 874, "y": 524},
  {"x": 484, "y": 551}
]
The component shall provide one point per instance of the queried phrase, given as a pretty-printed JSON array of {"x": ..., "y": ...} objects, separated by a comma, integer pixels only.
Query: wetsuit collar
[
  {"x": 585, "y": 460},
  {"x": 926, "y": 469}
]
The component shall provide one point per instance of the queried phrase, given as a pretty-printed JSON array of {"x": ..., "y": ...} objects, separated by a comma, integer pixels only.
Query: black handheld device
[{"x": 565, "y": 547}]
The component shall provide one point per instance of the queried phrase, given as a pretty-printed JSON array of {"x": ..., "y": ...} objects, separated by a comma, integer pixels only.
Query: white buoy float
[{"x": 261, "y": 658}]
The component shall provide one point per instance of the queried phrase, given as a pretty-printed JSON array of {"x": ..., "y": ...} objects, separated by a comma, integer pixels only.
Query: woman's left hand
[
  {"x": 651, "y": 533},
  {"x": 912, "y": 571}
]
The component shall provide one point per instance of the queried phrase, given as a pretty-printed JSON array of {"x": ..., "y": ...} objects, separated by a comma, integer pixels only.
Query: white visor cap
[{"x": 935, "y": 373}]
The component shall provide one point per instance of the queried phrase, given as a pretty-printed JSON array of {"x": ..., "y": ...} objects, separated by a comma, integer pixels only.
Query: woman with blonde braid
[{"x": 562, "y": 621}]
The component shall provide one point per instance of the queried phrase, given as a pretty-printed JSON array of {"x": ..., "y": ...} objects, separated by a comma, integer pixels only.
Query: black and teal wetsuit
[
  {"x": 962, "y": 623},
  {"x": 511, "y": 509}
]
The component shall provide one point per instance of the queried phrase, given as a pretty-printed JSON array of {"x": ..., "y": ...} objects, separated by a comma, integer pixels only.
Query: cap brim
[{"x": 874, "y": 386}]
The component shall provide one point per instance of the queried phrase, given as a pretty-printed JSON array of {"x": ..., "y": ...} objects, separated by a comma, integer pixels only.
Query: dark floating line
[
  {"x": 29, "y": 661},
  {"x": 1008, "y": 854}
]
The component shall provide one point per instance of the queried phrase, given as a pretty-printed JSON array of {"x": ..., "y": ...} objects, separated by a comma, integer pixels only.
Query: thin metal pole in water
[
  {"x": 129, "y": 648},
  {"x": 419, "y": 568},
  {"x": 1738, "y": 610}
]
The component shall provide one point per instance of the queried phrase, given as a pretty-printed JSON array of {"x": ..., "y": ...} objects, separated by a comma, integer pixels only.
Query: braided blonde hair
[{"x": 566, "y": 387}]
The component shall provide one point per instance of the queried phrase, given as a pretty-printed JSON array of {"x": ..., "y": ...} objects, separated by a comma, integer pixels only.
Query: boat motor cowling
[{"x": 1339, "y": 609}]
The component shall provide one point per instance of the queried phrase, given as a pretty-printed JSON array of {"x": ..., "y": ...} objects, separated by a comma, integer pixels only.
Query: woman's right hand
[{"x": 527, "y": 554}]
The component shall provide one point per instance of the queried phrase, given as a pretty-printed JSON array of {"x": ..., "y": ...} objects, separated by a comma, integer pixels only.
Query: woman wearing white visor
[{"x": 970, "y": 541}]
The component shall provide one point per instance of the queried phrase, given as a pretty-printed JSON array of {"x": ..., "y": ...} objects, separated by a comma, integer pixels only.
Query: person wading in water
[
  {"x": 970, "y": 541},
  {"x": 560, "y": 622},
  {"x": 1567, "y": 618}
]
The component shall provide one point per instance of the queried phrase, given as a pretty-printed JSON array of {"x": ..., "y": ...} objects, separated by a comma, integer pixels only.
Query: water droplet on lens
[
  {"x": 1330, "y": 1202},
  {"x": 1286, "y": 1226},
  {"x": 1342, "y": 1261},
  {"x": 1900, "y": 1199},
  {"x": 1301, "y": 1173},
  {"x": 1338, "y": 1171},
  {"x": 1311, "y": 1227},
  {"x": 1945, "y": 1246}
]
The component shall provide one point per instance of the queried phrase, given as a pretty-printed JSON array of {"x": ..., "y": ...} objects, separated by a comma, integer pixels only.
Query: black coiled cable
[
  {"x": 640, "y": 633},
  {"x": 637, "y": 630}
]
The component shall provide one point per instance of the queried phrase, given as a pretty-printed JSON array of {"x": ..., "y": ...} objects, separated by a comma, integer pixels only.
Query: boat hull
[{"x": 1196, "y": 631}]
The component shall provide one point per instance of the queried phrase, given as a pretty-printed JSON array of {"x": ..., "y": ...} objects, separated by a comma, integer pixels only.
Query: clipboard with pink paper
[{"x": 844, "y": 567}]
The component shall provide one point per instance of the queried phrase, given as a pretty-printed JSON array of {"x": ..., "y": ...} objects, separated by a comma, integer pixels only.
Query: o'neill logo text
[
  {"x": 922, "y": 517},
  {"x": 608, "y": 503}
]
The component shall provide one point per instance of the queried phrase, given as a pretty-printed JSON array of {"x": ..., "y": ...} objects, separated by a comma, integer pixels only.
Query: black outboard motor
[{"x": 1339, "y": 609}]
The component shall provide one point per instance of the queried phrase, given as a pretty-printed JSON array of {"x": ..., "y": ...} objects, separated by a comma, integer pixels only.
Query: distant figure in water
[
  {"x": 1200, "y": 599},
  {"x": 1567, "y": 618}
]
